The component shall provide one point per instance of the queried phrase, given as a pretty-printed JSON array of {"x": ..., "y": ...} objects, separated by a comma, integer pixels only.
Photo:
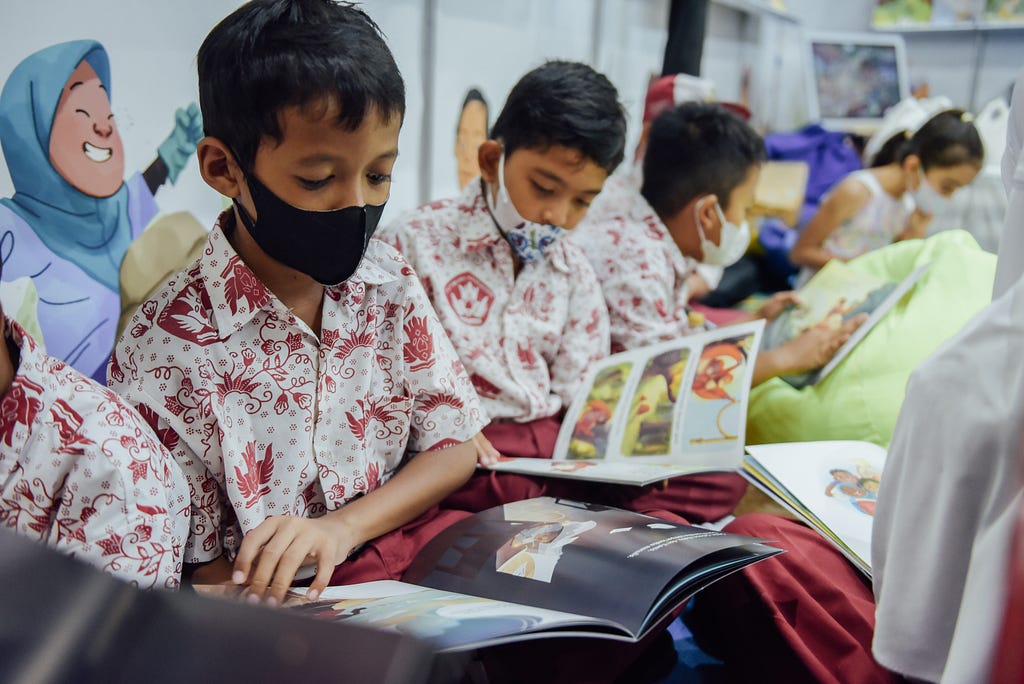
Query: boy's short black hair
[
  {"x": 271, "y": 54},
  {"x": 694, "y": 149},
  {"x": 568, "y": 104}
]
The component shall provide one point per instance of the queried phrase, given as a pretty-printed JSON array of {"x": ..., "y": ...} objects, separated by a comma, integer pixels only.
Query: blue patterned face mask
[{"x": 530, "y": 241}]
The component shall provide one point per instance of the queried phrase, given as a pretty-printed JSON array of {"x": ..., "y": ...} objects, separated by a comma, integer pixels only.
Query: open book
[
  {"x": 836, "y": 293},
  {"x": 648, "y": 414},
  {"x": 543, "y": 568},
  {"x": 832, "y": 486}
]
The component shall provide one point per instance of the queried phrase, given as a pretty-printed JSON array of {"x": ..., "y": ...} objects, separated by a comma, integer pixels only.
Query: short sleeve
[
  {"x": 445, "y": 407},
  {"x": 204, "y": 542}
]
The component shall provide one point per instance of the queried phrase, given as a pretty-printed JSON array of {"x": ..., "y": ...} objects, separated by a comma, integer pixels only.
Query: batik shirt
[
  {"x": 266, "y": 418},
  {"x": 82, "y": 472},
  {"x": 527, "y": 339},
  {"x": 620, "y": 195},
  {"x": 643, "y": 275}
]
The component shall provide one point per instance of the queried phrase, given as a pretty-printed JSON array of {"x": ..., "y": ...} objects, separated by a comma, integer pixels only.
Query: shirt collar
[
  {"x": 477, "y": 229},
  {"x": 237, "y": 295},
  {"x": 644, "y": 214},
  {"x": 28, "y": 349}
]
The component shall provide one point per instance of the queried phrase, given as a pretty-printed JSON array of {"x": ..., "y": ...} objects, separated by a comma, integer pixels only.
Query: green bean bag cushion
[{"x": 861, "y": 397}]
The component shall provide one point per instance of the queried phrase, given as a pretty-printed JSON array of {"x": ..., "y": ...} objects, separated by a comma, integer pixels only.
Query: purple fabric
[{"x": 827, "y": 153}]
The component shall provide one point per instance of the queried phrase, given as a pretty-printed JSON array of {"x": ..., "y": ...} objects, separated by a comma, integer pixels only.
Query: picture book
[
  {"x": 835, "y": 294},
  {"x": 542, "y": 568},
  {"x": 832, "y": 486},
  {"x": 657, "y": 412}
]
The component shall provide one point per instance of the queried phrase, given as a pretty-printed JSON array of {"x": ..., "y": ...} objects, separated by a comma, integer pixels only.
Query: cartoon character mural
[
  {"x": 470, "y": 133},
  {"x": 73, "y": 215}
]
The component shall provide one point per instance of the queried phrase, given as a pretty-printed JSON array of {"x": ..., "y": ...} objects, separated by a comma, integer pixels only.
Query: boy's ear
[
  {"x": 488, "y": 156},
  {"x": 706, "y": 213},
  {"x": 219, "y": 168}
]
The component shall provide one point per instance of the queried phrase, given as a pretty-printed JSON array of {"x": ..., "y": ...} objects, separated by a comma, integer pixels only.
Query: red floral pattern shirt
[
  {"x": 264, "y": 417},
  {"x": 81, "y": 471},
  {"x": 642, "y": 272},
  {"x": 526, "y": 339}
]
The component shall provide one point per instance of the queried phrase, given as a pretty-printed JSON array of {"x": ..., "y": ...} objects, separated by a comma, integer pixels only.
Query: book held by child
[
  {"x": 834, "y": 294},
  {"x": 542, "y": 568},
  {"x": 649, "y": 414}
]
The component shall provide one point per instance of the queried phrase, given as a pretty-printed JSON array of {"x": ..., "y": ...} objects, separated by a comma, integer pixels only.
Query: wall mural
[{"x": 73, "y": 214}]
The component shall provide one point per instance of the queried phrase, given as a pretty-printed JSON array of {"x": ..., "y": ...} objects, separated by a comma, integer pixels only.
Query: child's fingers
[
  {"x": 287, "y": 566},
  {"x": 324, "y": 570},
  {"x": 790, "y": 297},
  {"x": 250, "y": 549},
  {"x": 854, "y": 323},
  {"x": 487, "y": 454},
  {"x": 267, "y": 563}
]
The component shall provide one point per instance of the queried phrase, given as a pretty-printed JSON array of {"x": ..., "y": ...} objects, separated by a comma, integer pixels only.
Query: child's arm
[
  {"x": 486, "y": 454},
  {"x": 917, "y": 226},
  {"x": 849, "y": 197},
  {"x": 272, "y": 553}
]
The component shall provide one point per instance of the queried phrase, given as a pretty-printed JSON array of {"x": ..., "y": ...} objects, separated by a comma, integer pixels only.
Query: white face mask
[
  {"x": 928, "y": 199},
  {"x": 732, "y": 243},
  {"x": 529, "y": 240}
]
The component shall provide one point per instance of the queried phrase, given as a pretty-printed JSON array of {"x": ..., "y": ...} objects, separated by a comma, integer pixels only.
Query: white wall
[{"x": 483, "y": 43}]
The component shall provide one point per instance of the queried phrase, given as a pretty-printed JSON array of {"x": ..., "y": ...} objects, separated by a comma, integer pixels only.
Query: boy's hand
[
  {"x": 696, "y": 286},
  {"x": 815, "y": 347},
  {"x": 272, "y": 554},
  {"x": 486, "y": 454},
  {"x": 778, "y": 303}
]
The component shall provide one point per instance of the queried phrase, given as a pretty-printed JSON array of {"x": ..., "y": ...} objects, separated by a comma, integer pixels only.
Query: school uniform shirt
[
  {"x": 951, "y": 485},
  {"x": 83, "y": 473},
  {"x": 266, "y": 418},
  {"x": 526, "y": 340},
  {"x": 620, "y": 193},
  {"x": 643, "y": 275},
  {"x": 1011, "y": 246}
]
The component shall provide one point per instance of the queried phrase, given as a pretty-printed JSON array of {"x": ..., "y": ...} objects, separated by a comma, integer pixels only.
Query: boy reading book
[
  {"x": 296, "y": 370},
  {"x": 522, "y": 306},
  {"x": 700, "y": 171},
  {"x": 81, "y": 471}
]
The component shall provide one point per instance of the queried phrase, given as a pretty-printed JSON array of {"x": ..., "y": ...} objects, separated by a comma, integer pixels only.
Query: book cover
[{"x": 832, "y": 486}]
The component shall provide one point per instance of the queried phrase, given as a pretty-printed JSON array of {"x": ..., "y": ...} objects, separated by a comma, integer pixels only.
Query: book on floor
[
  {"x": 542, "y": 568},
  {"x": 657, "y": 412},
  {"x": 835, "y": 294},
  {"x": 832, "y": 486}
]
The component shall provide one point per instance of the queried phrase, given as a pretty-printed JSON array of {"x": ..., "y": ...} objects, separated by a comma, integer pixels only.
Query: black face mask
[{"x": 325, "y": 245}]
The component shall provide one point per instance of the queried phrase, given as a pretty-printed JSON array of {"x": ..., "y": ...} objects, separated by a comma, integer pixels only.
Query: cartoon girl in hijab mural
[{"x": 72, "y": 215}]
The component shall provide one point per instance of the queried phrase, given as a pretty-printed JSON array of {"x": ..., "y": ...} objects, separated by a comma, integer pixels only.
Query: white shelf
[
  {"x": 757, "y": 7},
  {"x": 961, "y": 27}
]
